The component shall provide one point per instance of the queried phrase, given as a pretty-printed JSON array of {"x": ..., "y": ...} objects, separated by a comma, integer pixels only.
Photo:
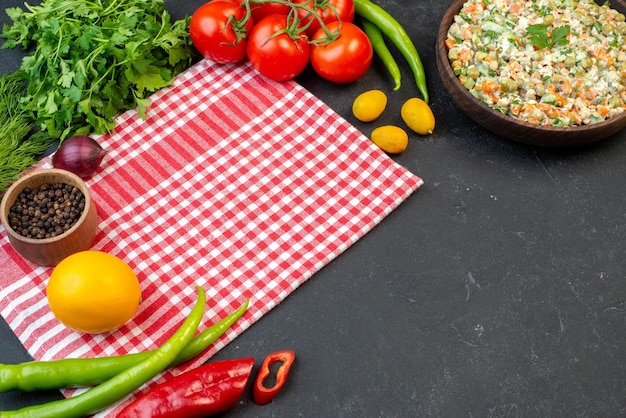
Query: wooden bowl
[
  {"x": 507, "y": 126},
  {"x": 50, "y": 251}
]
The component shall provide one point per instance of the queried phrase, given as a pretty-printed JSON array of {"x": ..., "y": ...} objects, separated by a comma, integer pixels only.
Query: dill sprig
[{"x": 20, "y": 147}]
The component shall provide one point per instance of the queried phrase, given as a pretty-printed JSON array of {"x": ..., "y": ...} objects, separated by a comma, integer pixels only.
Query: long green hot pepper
[
  {"x": 390, "y": 27},
  {"x": 378, "y": 43},
  {"x": 75, "y": 372},
  {"x": 123, "y": 383}
]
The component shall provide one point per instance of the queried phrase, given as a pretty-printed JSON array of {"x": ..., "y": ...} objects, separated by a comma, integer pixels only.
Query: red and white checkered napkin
[{"x": 238, "y": 184}]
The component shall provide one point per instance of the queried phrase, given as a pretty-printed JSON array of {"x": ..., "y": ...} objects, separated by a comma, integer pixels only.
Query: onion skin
[{"x": 79, "y": 154}]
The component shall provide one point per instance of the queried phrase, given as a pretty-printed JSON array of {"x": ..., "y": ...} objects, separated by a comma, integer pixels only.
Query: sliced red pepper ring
[{"x": 263, "y": 395}]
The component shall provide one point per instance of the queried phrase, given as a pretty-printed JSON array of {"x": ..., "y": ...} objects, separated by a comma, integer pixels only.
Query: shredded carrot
[
  {"x": 490, "y": 86},
  {"x": 579, "y": 83},
  {"x": 515, "y": 8},
  {"x": 609, "y": 61},
  {"x": 576, "y": 118},
  {"x": 464, "y": 55},
  {"x": 603, "y": 110},
  {"x": 560, "y": 99},
  {"x": 548, "y": 109},
  {"x": 466, "y": 32},
  {"x": 588, "y": 95},
  {"x": 566, "y": 87},
  {"x": 536, "y": 78}
]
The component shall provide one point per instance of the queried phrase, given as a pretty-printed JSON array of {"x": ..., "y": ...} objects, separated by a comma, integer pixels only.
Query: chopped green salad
[{"x": 555, "y": 63}]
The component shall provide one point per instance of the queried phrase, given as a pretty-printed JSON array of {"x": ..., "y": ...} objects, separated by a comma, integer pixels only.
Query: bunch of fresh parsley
[{"x": 91, "y": 60}]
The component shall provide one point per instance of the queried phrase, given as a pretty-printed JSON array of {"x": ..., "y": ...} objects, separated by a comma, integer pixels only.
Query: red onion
[{"x": 80, "y": 154}]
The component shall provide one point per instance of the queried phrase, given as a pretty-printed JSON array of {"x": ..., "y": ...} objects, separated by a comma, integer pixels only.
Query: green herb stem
[{"x": 19, "y": 146}]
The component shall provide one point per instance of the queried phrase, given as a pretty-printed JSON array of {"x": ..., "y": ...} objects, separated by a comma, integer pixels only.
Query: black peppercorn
[{"x": 46, "y": 211}]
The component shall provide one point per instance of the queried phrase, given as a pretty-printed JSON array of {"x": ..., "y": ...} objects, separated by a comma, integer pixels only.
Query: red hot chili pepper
[
  {"x": 206, "y": 390},
  {"x": 262, "y": 394}
]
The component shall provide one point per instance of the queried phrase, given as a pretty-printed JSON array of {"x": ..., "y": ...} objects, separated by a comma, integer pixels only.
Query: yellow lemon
[
  {"x": 390, "y": 138},
  {"x": 369, "y": 105},
  {"x": 93, "y": 292}
]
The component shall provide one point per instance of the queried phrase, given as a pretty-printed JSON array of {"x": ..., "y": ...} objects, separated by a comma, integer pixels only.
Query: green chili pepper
[
  {"x": 378, "y": 43},
  {"x": 123, "y": 383},
  {"x": 390, "y": 27},
  {"x": 74, "y": 372}
]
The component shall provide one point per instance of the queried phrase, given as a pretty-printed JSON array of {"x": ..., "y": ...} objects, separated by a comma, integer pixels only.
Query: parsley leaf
[
  {"x": 559, "y": 35},
  {"x": 89, "y": 61},
  {"x": 540, "y": 37}
]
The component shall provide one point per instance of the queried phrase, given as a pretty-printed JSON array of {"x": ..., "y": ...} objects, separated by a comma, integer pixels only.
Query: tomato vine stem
[{"x": 295, "y": 20}]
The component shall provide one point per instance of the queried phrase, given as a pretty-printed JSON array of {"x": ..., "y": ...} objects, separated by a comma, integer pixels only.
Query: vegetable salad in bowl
[{"x": 559, "y": 63}]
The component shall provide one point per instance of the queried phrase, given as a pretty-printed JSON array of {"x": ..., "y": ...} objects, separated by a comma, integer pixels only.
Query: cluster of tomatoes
[{"x": 281, "y": 38}]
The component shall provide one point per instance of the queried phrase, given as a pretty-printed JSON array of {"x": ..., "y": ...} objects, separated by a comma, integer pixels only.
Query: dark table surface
[{"x": 497, "y": 289}]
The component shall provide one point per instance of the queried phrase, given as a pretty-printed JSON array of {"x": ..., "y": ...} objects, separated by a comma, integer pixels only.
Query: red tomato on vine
[
  {"x": 328, "y": 10},
  {"x": 345, "y": 59},
  {"x": 218, "y": 31},
  {"x": 277, "y": 48},
  {"x": 260, "y": 10}
]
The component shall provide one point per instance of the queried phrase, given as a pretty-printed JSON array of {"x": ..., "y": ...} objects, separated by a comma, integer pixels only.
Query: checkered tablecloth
[{"x": 242, "y": 185}]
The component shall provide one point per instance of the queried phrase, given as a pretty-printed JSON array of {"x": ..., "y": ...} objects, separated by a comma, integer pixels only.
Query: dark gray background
[{"x": 496, "y": 290}]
